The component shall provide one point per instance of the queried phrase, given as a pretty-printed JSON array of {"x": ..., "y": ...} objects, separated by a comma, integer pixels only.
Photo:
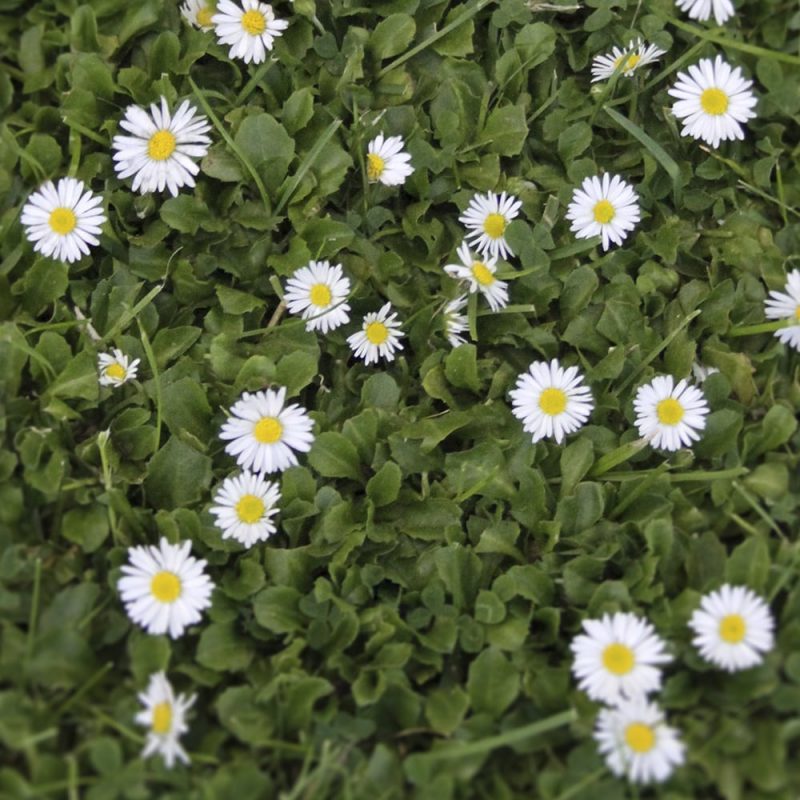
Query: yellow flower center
[
  {"x": 629, "y": 61},
  {"x": 320, "y": 295},
  {"x": 732, "y": 629},
  {"x": 618, "y": 659},
  {"x": 482, "y": 274},
  {"x": 268, "y": 430},
  {"x": 204, "y": 17},
  {"x": 377, "y": 332},
  {"x": 604, "y": 212},
  {"x": 254, "y": 23},
  {"x": 639, "y": 737},
  {"x": 161, "y": 145},
  {"x": 552, "y": 401},
  {"x": 669, "y": 411},
  {"x": 797, "y": 312},
  {"x": 162, "y": 718},
  {"x": 165, "y": 586},
  {"x": 116, "y": 371},
  {"x": 375, "y": 166},
  {"x": 63, "y": 220},
  {"x": 494, "y": 225},
  {"x": 714, "y": 102},
  {"x": 250, "y": 509}
]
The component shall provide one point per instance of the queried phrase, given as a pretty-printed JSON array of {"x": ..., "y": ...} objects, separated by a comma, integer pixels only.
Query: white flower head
[
  {"x": 702, "y": 373},
  {"x": 198, "y": 13},
  {"x": 618, "y": 656},
  {"x": 164, "y": 588},
  {"x": 250, "y": 29},
  {"x": 786, "y": 305},
  {"x": 245, "y": 505},
  {"x": 379, "y": 336},
  {"x": 62, "y": 221},
  {"x": 604, "y": 206},
  {"x": 701, "y": 9},
  {"x": 387, "y": 162},
  {"x": 161, "y": 149},
  {"x": 637, "y": 743},
  {"x": 670, "y": 415},
  {"x": 551, "y": 401},
  {"x": 115, "y": 369},
  {"x": 733, "y": 628},
  {"x": 164, "y": 716},
  {"x": 486, "y": 220},
  {"x": 713, "y": 100},
  {"x": 263, "y": 433},
  {"x": 479, "y": 273},
  {"x": 318, "y": 292},
  {"x": 455, "y": 323},
  {"x": 625, "y": 61}
]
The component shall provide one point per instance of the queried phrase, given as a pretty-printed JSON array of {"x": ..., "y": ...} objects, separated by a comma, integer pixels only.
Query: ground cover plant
[{"x": 409, "y": 602}]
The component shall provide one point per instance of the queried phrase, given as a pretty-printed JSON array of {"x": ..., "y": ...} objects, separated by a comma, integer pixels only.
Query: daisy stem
[
  {"x": 75, "y": 153},
  {"x": 753, "y": 503},
  {"x": 117, "y": 726},
  {"x": 89, "y": 134},
  {"x": 151, "y": 360},
  {"x": 618, "y": 456},
  {"x": 252, "y": 83},
  {"x": 276, "y": 315},
  {"x": 762, "y": 327},
  {"x": 33, "y": 616},
  {"x": 108, "y": 484},
  {"x": 98, "y": 676},
  {"x": 582, "y": 784},
  {"x": 472, "y": 315}
]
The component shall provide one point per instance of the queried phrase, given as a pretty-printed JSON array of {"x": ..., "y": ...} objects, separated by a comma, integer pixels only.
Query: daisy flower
[
  {"x": 164, "y": 588},
  {"x": 670, "y": 415},
  {"x": 455, "y": 323},
  {"x": 62, "y": 221},
  {"x": 245, "y": 505},
  {"x": 786, "y": 305},
  {"x": 486, "y": 220},
  {"x": 386, "y": 161},
  {"x": 164, "y": 715},
  {"x": 318, "y": 292},
  {"x": 604, "y": 206},
  {"x": 551, "y": 401},
  {"x": 701, "y": 9},
  {"x": 712, "y": 100},
  {"x": 264, "y": 432},
  {"x": 733, "y": 627},
  {"x": 635, "y": 56},
  {"x": 618, "y": 657},
  {"x": 637, "y": 743},
  {"x": 379, "y": 336},
  {"x": 250, "y": 29},
  {"x": 159, "y": 152},
  {"x": 480, "y": 275},
  {"x": 115, "y": 369},
  {"x": 198, "y": 13}
]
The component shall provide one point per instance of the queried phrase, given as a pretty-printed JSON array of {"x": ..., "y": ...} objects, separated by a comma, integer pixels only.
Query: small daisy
[
  {"x": 455, "y": 323},
  {"x": 780, "y": 305},
  {"x": 618, "y": 657},
  {"x": 245, "y": 505},
  {"x": 712, "y": 100},
  {"x": 264, "y": 432},
  {"x": 486, "y": 219},
  {"x": 164, "y": 588},
  {"x": 379, "y": 336},
  {"x": 160, "y": 151},
  {"x": 625, "y": 62},
  {"x": 733, "y": 628},
  {"x": 670, "y": 415},
  {"x": 115, "y": 369},
  {"x": 637, "y": 742},
  {"x": 386, "y": 161},
  {"x": 551, "y": 401},
  {"x": 164, "y": 715},
  {"x": 318, "y": 292},
  {"x": 604, "y": 206},
  {"x": 480, "y": 275},
  {"x": 198, "y": 13},
  {"x": 701, "y": 9},
  {"x": 251, "y": 29},
  {"x": 701, "y": 373},
  {"x": 62, "y": 221}
]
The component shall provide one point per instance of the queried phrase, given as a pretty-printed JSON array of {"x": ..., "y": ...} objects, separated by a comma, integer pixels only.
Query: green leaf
[
  {"x": 384, "y": 486},
  {"x": 505, "y": 131},
  {"x": 222, "y": 649},
  {"x": 234, "y": 301},
  {"x": 492, "y": 683},
  {"x": 333, "y": 456},
  {"x": 461, "y": 367},
  {"x": 392, "y": 36},
  {"x": 445, "y": 708},
  {"x": 177, "y": 475},
  {"x": 86, "y": 527},
  {"x": 268, "y": 147}
]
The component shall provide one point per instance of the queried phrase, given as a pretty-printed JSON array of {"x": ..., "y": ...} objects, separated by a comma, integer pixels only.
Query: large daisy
[
  {"x": 670, "y": 415},
  {"x": 786, "y": 305},
  {"x": 604, "y": 206},
  {"x": 250, "y": 29},
  {"x": 164, "y": 716},
  {"x": 486, "y": 220},
  {"x": 625, "y": 61},
  {"x": 479, "y": 274},
  {"x": 379, "y": 336},
  {"x": 199, "y": 13},
  {"x": 701, "y": 9},
  {"x": 115, "y": 368},
  {"x": 318, "y": 292},
  {"x": 245, "y": 505},
  {"x": 387, "y": 162}
]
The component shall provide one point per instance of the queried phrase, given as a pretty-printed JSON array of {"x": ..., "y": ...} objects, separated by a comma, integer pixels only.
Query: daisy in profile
[
  {"x": 635, "y": 56},
  {"x": 713, "y": 100},
  {"x": 115, "y": 368},
  {"x": 164, "y": 716},
  {"x": 701, "y": 9},
  {"x": 250, "y": 29},
  {"x": 786, "y": 305},
  {"x": 164, "y": 588},
  {"x": 318, "y": 292},
  {"x": 618, "y": 656},
  {"x": 379, "y": 336},
  {"x": 387, "y": 162},
  {"x": 637, "y": 743},
  {"x": 551, "y": 401},
  {"x": 62, "y": 221},
  {"x": 486, "y": 220},
  {"x": 479, "y": 273},
  {"x": 733, "y": 628},
  {"x": 199, "y": 13},
  {"x": 604, "y": 206},
  {"x": 161, "y": 147},
  {"x": 670, "y": 415},
  {"x": 245, "y": 505},
  {"x": 455, "y": 323},
  {"x": 263, "y": 433}
]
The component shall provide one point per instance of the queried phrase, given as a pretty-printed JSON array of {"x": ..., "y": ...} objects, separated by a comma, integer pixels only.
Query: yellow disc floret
[
  {"x": 63, "y": 220},
  {"x": 482, "y": 274},
  {"x": 714, "y": 102},
  {"x": 253, "y": 22},
  {"x": 377, "y": 332},
  {"x": 604, "y": 212},
  {"x": 669, "y": 411},
  {"x": 494, "y": 225},
  {"x": 320, "y": 295},
  {"x": 732, "y": 628},
  {"x": 268, "y": 430},
  {"x": 618, "y": 659},
  {"x": 165, "y": 586},
  {"x": 639, "y": 737},
  {"x": 552, "y": 401},
  {"x": 250, "y": 509},
  {"x": 162, "y": 145},
  {"x": 162, "y": 718}
]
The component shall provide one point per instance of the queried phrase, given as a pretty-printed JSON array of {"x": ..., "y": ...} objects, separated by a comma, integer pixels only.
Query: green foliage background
[{"x": 432, "y": 565}]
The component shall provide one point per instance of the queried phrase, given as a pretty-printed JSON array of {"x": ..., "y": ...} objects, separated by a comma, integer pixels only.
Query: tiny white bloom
[
  {"x": 164, "y": 715},
  {"x": 164, "y": 588},
  {"x": 618, "y": 657},
  {"x": 701, "y": 9},
  {"x": 455, "y": 323},
  {"x": 379, "y": 336},
  {"x": 318, "y": 292},
  {"x": 115, "y": 369},
  {"x": 702, "y": 373},
  {"x": 733, "y": 628},
  {"x": 625, "y": 61},
  {"x": 637, "y": 743},
  {"x": 479, "y": 273},
  {"x": 786, "y": 305},
  {"x": 62, "y": 221},
  {"x": 245, "y": 505},
  {"x": 250, "y": 29},
  {"x": 199, "y": 13},
  {"x": 486, "y": 220},
  {"x": 264, "y": 432},
  {"x": 669, "y": 414},
  {"x": 387, "y": 162},
  {"x": 713, "y": 99},
  {"x": 604, "y": 206},
  {"x": 551, "y": 401}
]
